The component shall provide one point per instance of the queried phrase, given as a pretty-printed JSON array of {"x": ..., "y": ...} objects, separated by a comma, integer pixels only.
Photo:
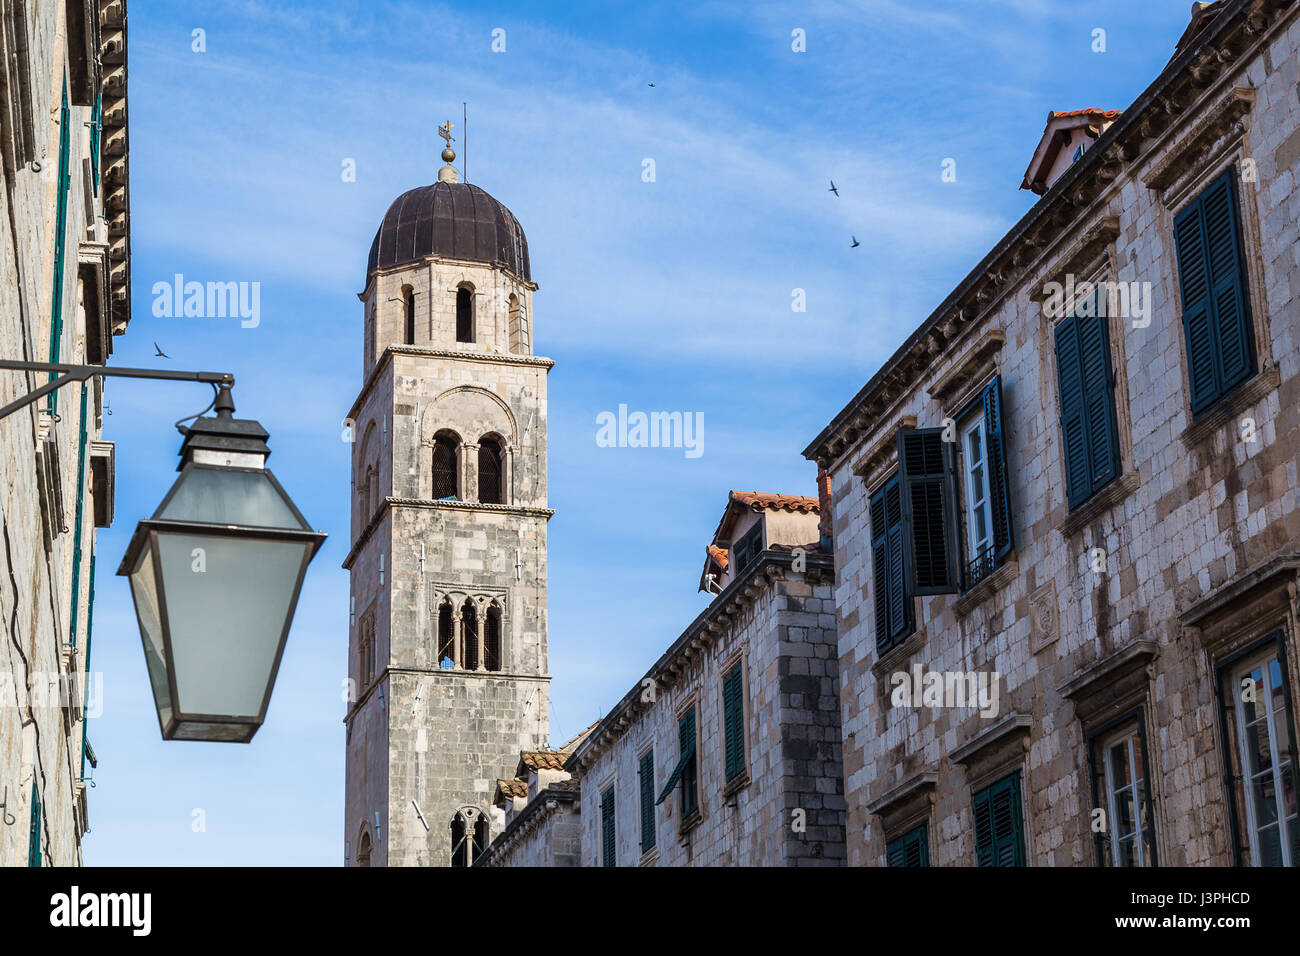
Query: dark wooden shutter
[
  {"x": 1089, "y": 433},
  {"x": 607, "y": 828},
  {"x": 911, "y": 849},
  {"x": 34, "y": 830},
  {"x": 444, "y": 469},
  {"x": 1099, "y": 397},
  {"x": 469, "y": 634},
  {"x": 733, "y": 721},
  {"x": 999, "y": 493},
  {"x": 926, "y": 471},
  {"x": 1212, "y": 282},
  {"x": 690, "y": 771},
  {"x": 999, "y": 836},
  {"x": 892, "y": 606},
  {"x": 646, "y": 779}
]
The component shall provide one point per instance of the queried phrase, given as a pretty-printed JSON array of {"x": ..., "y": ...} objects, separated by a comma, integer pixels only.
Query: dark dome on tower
[{"x": 455, "y": 220}]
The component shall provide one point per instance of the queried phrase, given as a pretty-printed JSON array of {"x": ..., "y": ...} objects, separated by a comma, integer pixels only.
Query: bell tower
[{"x": 447, "y": 655}]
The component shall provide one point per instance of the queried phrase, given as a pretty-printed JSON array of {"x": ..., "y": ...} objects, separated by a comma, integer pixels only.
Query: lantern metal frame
[{"x": 146, "y": 535}]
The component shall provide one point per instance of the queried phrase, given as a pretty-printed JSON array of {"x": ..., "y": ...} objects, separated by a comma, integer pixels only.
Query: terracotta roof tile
[
  {"x": 758, "y": 499},
  {"x": 511, "y": 788},
  {"x": 542, "y": 759},
  {"x": 1105, "y": 114},
  {"x": 719, "y": 555}
]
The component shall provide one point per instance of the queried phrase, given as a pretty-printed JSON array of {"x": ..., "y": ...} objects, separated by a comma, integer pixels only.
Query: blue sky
[{"x": 671, "y": 295}]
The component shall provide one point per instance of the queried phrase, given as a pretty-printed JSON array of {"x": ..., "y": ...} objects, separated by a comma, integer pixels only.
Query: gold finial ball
[{"x": 448, "y": 154}]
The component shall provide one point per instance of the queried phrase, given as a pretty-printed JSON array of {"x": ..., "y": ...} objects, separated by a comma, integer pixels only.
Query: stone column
[{"x": 469, "y": 471}]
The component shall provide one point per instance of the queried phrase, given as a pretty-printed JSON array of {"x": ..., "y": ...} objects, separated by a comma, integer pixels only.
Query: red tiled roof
[
  {"x": 542, "y": 759},
  {"x": 572, "y": 745},
  {"x": 511, "y": 788},
  {"x": 719, "y": 555},
  {"x": 1105, "y": 114},
  {"x": 758, "y": 499}
]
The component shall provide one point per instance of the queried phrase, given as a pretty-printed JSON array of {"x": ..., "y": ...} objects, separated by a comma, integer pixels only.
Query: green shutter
[
  {"x": 911, "y": 849},
  {"x": 999, "y": 827},
  {"x": 90, "y": 624},
  {"x": 926, "y": 472},
  {"x": 893, "y": 610},
  {"x": 1089, "y": 432},
  {"x": 1212, "y": 282},
  {"x": 79, "y": 521},
  {"x": 646, "y": 778},
  {"x": 999, "y": 492},
  {"x": 96, "y": 131},
  {"x": 60, "y": 242},
  {"x": 34, "y": 829},
  {"x": 733, "y": 721},
  {"x": 607, "y": 828}
]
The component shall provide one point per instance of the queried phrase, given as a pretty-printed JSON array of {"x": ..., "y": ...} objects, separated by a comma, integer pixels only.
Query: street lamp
[{"x": 215, "y": 574}]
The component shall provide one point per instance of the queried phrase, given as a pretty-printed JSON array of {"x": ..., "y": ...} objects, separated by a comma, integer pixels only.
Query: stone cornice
[
  {"x": 528, "y": 820},
  {"x": 1080, "y": 258},
  {"x": 1188, "y": 77},
  {"x": 499, "y": 358},
  {"x": 966, "y": 368},
  {"x": 702, "y": 633},
  {"x": 880, "y": 453},
  {"x": 390, "y": 502},
  {"x": 1222, "y": 118}
]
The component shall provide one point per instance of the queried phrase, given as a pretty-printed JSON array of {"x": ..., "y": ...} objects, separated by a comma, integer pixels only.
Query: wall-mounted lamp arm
[{"x": 82, "y": 373}]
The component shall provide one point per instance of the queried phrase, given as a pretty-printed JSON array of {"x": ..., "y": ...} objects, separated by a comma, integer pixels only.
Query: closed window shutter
[
  {"x": 34, "y": 831},
  {"x": 1227, "y": 279},
  {"x": 999, "y": 837},
  {"x": 690, "y": 769},
  {"x": 893, "y": 622},
  {"x": 1003, "y": 540},
  {"x": 929, "y": 538},
  {"x": 1211, "y": 276},
  {"x": 911, "y": 849},
  {"x": 646, "y": 778},
  {"x": 607, "y": 827},
  {"x": 1099, "y": 396},
  {"x": 1088, "y": 426},
  {"x": 733, "y": 719}
]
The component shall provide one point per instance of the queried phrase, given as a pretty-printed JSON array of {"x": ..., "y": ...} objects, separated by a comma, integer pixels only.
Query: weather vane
[{"x": 445, "y": 131}]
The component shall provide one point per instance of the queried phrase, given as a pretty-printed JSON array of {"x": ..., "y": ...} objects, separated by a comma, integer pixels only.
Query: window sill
[
  {"x": 892, "y": 658},
  {"x": 985, "y": 589},
  {"x": 690, "y": 823},
  {"x": 650, "y": 857},
  {"x": 1230, "y": 406},
  {"x": 1098, "y": 504},
  {"x": 736, "y": 785}
]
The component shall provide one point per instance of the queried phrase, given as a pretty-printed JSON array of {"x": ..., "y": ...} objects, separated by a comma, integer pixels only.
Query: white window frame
[
  {"x": 1124, "y": 738},
  {"x": 975, "y": 423},
  {"x": 1262, "y": 661}
]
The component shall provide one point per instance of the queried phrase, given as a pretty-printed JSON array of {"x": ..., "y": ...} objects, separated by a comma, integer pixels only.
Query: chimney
[{"x": 825, "y": 527}]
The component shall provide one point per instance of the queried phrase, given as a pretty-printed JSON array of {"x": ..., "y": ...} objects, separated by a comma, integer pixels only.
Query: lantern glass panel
[
  {"x": 144, "y": 589},
  {"x": 229, "y": 496}
]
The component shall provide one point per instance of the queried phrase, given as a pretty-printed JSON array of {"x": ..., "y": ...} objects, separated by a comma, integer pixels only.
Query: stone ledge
[
  {"x": 1233, "y": 404},
  {"x": 1081, "y": 257},
  {"x": 876, "y": 456},
  {"x": 1217, "y": 121},
  {"x": 737, "y": 785},
  {"x": 981, "y": 592},
  {"x": 966, "y": 368},
  {"x": 921, "y": 785},
  {"x": 1098, "y": 504},
  {"x": 889, "y": 661},
  {"x": 1007, "y": 729}
]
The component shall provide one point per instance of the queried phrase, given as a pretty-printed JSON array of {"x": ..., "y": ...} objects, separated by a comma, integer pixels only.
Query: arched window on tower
[
  {"x": 363, "y": 849},
  {"x": 469, "y": 634},
  {"x": 370, "y": 496},
  {"x": 464, "y": 314},
  {"x": 492, "y": 639},
  {"x": 489, "y": 472},
  {"x": 446, "y": 637},
  {"x": 518, "y": 327},
  {"x": 459, "y": 845},
  {"x": 446, "y": 452},
  {"x": 469, "y": 836},
  {"x": 408, "y": 295}
]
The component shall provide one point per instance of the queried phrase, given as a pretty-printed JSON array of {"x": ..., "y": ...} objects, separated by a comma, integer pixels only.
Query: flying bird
[
  {"x": 833, "y": 189},
  {"x": 158, "y": 351},
  {"x": 855, "y": 242},
  {"x": 650, "y": 84}
]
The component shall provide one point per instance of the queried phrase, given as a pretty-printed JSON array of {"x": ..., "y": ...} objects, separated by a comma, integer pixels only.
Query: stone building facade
[
  {"x": 1067, "y": 538},
  {"x": 64, "y": 294},
  {"x": 727, "y": 751},
  {"x": 447, "y": 649}
]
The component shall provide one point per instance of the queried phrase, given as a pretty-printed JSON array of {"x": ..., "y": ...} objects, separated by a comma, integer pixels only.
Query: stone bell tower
[{"x": 447, "y": 631}]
